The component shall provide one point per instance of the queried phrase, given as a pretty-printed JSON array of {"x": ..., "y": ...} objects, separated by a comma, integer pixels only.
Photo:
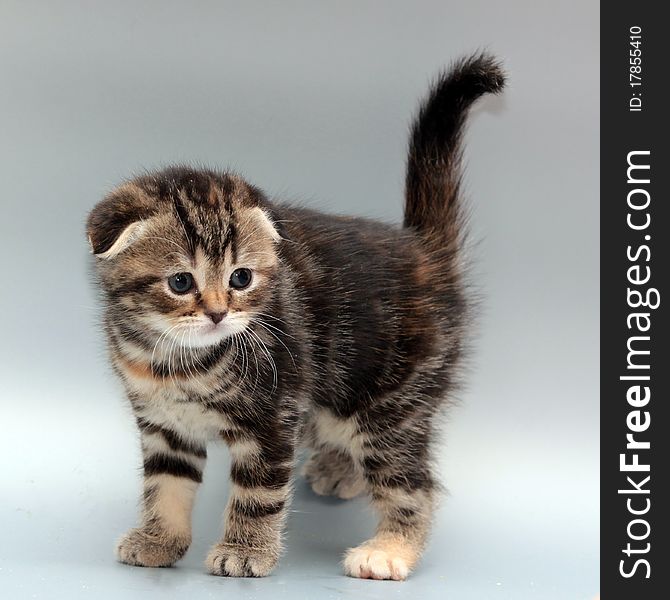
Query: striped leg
[
  {"x": 402, "y": 491},
  {"x": 257, "y": 509},
  {"x": 172, "y": 471}
]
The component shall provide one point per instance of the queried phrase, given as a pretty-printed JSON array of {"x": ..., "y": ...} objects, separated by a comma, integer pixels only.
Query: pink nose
[{"x": 216, "y": 317}]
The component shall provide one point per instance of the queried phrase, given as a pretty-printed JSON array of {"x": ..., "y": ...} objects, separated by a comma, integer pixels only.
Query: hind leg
[
  {"x": 402, "y": 488},
  {"x": 332, "y": 472}
]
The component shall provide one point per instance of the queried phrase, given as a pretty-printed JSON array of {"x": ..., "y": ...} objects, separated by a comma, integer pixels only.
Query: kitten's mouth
[
  {"x": 203, "y": 334},
  {"x": 213, "y": 332},
  {"x": 212, "y": 328},
  {"x": 206, "y": 334}
]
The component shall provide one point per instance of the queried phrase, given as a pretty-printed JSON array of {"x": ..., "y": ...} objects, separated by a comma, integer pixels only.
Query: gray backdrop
[{"x": 310, "y": 100}]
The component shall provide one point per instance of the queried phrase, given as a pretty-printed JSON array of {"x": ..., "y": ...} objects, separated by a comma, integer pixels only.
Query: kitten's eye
[
  {"x": 181, "y": 283},
  {"x": 240, "y": 279}
]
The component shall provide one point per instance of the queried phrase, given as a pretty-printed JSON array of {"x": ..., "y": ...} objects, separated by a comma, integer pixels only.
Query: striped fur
[{"x": 347, "y": 338}]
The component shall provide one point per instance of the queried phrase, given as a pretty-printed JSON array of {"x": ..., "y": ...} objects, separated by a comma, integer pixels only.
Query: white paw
[{"x": 369, "y": 562}]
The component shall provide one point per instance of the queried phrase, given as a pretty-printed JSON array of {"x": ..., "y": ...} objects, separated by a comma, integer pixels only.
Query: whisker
[
  {"x": 263, "y": 325},
  {"x": 190, "y": 365},
  {"x": 262, "y": 314},
  {"x": 173, "y": 346},
  {"x": 267, "y": 353},
  {"x": 277, "y": 329},
  {"x": 181, "y": 350},
  {"x": 243, "y": 353},
  {"x": 158, "y": 341},
  {"x": 251, "y": 345}
]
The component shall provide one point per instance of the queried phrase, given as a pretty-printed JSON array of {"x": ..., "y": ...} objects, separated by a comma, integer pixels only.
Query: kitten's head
[{"x": 190, "y": 255}]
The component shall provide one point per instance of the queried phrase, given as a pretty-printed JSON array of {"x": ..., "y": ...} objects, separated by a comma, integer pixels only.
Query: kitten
[{"x": 230, "y": 317}]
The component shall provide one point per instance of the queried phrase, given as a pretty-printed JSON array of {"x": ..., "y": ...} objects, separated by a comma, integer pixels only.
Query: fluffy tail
[{"x": 432, "y": 186}]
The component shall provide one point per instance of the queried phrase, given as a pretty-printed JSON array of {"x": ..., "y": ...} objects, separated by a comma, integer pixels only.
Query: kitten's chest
[
  {"x": 175, "y": 406},
  {"x": 192, "y": 420}
]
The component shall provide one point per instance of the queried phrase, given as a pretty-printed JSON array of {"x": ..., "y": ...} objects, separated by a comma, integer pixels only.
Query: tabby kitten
[{"x": 230, "y": 317}]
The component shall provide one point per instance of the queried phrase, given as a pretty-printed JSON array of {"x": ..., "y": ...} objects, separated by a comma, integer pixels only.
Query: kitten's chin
[{"x": 211, "y": 335}]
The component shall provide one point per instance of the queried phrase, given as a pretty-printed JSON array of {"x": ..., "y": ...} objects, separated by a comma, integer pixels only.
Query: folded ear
[
  {"x": 118, "y": 220},
  {"x": 264, "y": 219}
]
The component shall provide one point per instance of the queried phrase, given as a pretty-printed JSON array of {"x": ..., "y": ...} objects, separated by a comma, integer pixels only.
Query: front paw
[
  {"x": 145, "y": 548},
  {"x": 383, "y": 557},
  {"x": 232, "y": 560}
]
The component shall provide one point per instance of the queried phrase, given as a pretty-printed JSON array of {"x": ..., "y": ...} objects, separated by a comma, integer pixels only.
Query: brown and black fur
[{"x": 351, "y": 337}]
